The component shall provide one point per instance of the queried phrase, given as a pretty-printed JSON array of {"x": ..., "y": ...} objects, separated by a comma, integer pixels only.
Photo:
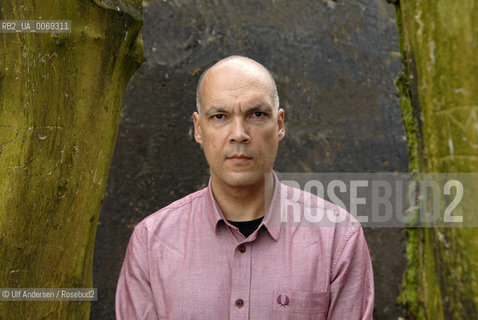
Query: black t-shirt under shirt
[{"x": 247, "y": 227}]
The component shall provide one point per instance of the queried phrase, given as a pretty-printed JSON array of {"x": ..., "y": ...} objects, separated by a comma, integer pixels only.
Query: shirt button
[
  {"x": 239, "y": 303},
  {"x": 242, "y": 248}
]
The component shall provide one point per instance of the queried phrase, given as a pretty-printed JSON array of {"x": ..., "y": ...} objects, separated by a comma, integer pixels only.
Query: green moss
[
  {"x": 430, "y": 283},
  {"x": 401, "y": 36},
  {"x": 409, "y": 295},
  {"x": 408, "y": 120},
  {"x": 410, "y": 283}
]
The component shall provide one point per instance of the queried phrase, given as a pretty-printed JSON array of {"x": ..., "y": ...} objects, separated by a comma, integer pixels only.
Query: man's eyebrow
[
  {"x": 214, "y": 110},
  {"x": 260, "y": 107}
]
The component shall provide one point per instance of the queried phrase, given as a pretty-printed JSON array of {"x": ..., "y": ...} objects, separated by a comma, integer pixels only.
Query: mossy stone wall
[{"x": 439, "y": 45}]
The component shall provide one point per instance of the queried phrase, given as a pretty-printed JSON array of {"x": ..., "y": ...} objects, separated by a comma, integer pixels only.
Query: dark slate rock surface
[{"x": 334, "y": 63}]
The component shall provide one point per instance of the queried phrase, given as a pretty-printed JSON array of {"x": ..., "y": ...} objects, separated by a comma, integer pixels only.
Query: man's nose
[{"x": 239, "y": 132}]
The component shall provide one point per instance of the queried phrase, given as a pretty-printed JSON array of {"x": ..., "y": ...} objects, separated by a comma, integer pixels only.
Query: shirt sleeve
[
  {"x": 352, "y": 286},
  {"x": 134, "y": 298}
]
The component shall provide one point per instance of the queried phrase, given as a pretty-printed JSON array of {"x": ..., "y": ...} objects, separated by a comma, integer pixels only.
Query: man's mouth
[{"x": 239, "y": 158}]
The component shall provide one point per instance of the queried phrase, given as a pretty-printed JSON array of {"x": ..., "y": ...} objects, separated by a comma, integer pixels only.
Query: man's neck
[{"x": 244, "y": 203}]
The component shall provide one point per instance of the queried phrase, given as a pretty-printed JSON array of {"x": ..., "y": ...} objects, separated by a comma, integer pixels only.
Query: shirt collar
[{"x": 215, "y": 215}]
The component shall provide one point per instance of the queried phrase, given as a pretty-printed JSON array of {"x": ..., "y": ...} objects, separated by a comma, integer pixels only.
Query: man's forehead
[
  {"x": 237, "y": 95},
  {"x": 236, "y": 75}
]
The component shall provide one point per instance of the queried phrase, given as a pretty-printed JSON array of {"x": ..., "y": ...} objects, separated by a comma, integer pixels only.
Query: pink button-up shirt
[{"x": 187, "y": 262}]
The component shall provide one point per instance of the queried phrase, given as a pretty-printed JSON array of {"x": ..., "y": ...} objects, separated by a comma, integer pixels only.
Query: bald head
[{"x": 237, "y": 64}]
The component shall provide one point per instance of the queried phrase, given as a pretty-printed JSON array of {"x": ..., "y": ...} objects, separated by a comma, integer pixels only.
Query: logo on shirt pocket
[{"x": 300, "y": 302}]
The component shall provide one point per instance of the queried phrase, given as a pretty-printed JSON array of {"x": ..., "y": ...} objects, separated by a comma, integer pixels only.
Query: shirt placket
[{"x": 241, "y": 282}]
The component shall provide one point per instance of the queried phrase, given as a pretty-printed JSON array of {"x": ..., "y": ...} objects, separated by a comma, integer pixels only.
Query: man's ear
[
  {"x": 280, "y": 124},
  {"x": 197, "y": 128}
]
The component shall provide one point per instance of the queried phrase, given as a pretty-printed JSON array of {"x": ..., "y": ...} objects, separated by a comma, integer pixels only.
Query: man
[{"x": 222, "y": 252}]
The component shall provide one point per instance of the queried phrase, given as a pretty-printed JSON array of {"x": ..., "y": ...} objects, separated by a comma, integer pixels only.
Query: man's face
[{"x": 239, "y": 127}]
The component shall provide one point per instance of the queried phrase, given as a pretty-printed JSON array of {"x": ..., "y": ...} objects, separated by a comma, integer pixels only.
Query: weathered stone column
[
  {"x": 60, "y": 101},
  {"x": 439, "y": 98}
]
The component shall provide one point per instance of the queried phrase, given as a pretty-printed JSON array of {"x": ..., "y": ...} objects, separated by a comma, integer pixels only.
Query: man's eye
[
  {"x": 218, "y": 116},
  {"x": 259, "y": 114}
]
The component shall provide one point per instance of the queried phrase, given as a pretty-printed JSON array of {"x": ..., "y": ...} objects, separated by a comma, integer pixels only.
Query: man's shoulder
[
  {"x": 175, "y": 211},
  {"x": 336, "y": 228}
]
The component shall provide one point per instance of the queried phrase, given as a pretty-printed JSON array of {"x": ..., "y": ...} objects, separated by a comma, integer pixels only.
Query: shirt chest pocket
[{"x": 293, "y": 304}]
